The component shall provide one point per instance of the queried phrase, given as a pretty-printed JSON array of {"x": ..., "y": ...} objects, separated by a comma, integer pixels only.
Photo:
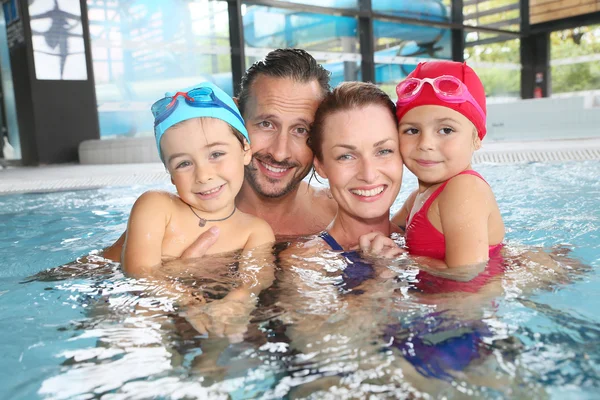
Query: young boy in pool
[
  {"x": 452, "y": 218},
  {"x": 204, "y": 145}
]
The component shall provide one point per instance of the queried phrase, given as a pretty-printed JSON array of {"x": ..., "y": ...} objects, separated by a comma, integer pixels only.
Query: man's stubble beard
[{"x": 251, "y": 176}]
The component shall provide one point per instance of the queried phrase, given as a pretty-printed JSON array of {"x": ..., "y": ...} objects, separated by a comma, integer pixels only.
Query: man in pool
[{"x": 278, "y": 99}]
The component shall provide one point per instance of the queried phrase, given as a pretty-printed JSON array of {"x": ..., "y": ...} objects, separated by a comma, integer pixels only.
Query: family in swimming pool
[
  {"x": 291, "y": 117},
  {"x": 278, "y": 101},
  {"x": 438, "y": 123},
  {"x": 356, "y": 135}
]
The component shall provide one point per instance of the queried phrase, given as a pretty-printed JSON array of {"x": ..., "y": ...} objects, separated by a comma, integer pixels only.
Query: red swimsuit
[{"x": 423, "y": 239}]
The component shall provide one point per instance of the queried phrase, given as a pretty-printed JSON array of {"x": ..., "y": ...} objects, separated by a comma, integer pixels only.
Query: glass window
[
  {"x": 332, "y": 40},
  {"x": 400, "y": 47},
  {"x": 498, "y": 14},
  {"x": 328, "y": 3},
  {"x": 57, "y": 40},
  {"x": 427, "y": 10},
  {"x": 7, "y": 92},
  {"x": 575, "y": 59},
  {"x": 499, "y": 67},
  {"x": 144, "y": 48}
]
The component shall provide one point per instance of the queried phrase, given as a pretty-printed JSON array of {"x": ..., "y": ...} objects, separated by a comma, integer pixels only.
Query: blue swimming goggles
[{"x": 203, "y": 100}]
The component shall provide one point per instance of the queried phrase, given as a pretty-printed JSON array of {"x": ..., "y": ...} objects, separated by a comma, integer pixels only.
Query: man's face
[{"x": 278, "y": 114}]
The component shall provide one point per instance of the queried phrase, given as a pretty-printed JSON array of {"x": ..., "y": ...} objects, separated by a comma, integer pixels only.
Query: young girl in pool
[
  {"x": 204, "y": 145},
  {"x": 452, "y": 218}
]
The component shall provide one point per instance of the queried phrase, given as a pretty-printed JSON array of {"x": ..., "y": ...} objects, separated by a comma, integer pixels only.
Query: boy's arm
[
  {"x": 261, "y": 235},
  {"x": 230, "y": 316},
  {"x": 142, "y": 249},
  {"x": 196, "y": 250},
  {"x": 256, "y": 266},
  {"x": 464, "y": 208}
]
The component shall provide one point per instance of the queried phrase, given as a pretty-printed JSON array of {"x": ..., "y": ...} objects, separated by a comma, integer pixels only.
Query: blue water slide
[
  {"x": 267, "y": 27},
  {"x": 274, "y": 27}
]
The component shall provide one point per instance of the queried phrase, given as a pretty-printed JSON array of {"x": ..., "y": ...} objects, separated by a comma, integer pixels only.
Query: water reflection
[{"x": 312, "y": 336}]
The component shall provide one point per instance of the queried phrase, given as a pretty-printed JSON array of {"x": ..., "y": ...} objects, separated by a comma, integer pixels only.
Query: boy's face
[
  {"x": 206, "y": 162},
  {"x": 437, "y": 142}
]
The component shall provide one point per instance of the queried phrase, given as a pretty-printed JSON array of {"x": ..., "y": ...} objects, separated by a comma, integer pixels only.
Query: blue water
[{"x": 91, "y": 332}]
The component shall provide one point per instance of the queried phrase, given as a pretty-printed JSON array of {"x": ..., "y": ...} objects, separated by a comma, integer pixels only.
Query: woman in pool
[
  {"x": 355, "y": 142},
  {"x": 354, "y": 139},
  {"x": 356, "y": 145}
]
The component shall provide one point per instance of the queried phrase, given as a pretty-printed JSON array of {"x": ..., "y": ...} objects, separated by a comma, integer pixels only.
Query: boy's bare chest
[{"x": 183, "y": 230}]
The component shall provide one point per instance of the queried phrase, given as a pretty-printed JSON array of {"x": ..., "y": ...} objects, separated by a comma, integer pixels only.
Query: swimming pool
[{"x": 94, "y": 333}]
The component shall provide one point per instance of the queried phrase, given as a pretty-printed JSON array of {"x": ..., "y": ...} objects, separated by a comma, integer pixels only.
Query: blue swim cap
[{"x": 202, "y": 100}]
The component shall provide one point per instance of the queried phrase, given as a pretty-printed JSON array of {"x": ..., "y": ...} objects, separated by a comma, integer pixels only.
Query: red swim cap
[{"x": 433, "y": 69}]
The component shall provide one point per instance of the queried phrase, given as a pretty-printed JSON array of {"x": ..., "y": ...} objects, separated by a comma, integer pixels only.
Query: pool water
[{"x": 89, "y": 332}]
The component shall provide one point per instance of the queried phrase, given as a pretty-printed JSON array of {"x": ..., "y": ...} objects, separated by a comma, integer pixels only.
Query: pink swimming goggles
[{"x": 447, "y": 88}]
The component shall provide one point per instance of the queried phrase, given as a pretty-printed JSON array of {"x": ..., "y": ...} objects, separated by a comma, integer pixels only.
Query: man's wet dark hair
[{"x": 293, "y": 64}]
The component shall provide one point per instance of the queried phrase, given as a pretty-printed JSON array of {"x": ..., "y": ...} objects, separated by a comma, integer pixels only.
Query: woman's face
[{"x": 361, "y": 160}]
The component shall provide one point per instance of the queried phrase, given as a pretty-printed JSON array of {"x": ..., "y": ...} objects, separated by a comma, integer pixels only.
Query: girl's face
[
  {"x": 206, "y": 162},
  {"x": 437, "y": 143},
  {"x": 361, "y": 160}
]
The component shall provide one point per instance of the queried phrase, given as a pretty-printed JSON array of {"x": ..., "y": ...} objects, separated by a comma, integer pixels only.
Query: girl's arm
[
  {"x": 465, "y": 208},
  {"x": 142, "y": 249}
]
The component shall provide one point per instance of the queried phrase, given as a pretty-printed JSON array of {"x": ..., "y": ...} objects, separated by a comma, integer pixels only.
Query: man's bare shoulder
[
  {"x": 320, "y": 195},
  {"x": 251, "y": 222}
]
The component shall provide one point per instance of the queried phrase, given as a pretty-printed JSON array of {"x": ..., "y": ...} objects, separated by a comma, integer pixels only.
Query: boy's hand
[
  {"x": 202, "y": 244},
  {"x": 222, "y": 318}
]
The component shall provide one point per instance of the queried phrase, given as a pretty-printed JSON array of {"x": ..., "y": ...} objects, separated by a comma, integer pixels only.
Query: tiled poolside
[{"x": 77, "y": 177}]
